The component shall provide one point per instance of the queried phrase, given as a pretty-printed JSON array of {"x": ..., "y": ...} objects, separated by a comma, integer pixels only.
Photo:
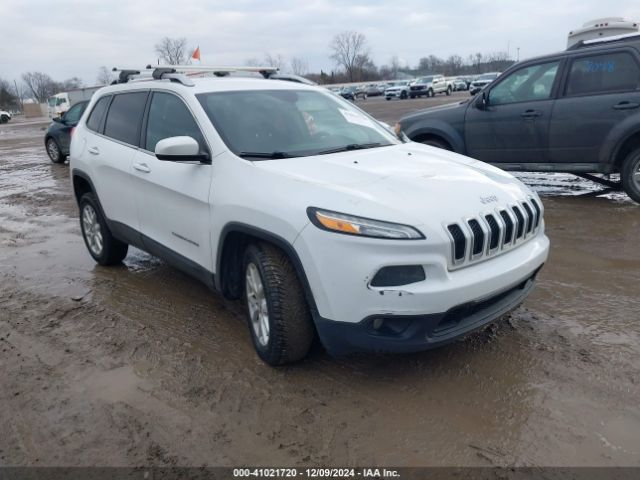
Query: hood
[
  {"x": 449, "y": 107},
  {"x": 405, "y": 183}
]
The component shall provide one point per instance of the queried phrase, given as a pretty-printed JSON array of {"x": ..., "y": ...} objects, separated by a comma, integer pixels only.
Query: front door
[
  {"x": 173, "y": 197},
  {"x": 512, "y": 127}
]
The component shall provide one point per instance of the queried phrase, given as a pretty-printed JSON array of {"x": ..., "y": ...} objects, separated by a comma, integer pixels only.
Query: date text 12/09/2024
[{"x": 315, "y": 473}]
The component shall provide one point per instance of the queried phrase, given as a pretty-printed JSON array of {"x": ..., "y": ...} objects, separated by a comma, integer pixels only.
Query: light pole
[{"x": 518, "y": 58}]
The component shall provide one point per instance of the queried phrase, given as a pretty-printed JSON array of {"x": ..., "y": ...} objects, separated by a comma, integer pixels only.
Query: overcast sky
[{"x": 68, "y": 38}]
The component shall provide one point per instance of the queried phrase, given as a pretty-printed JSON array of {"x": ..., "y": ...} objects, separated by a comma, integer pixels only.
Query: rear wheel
[
  {"x": 54, "y": 152},
  {"x": 630, "y": 175},
  {"x": 279, "y": 319},
  {"x": 4, "y": 119},
  {"x": 403, "y": 95},
  {"x": 102, "y": 246}
]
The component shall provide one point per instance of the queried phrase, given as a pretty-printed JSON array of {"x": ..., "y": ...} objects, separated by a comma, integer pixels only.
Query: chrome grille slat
[{"x": 476, "y": 238}]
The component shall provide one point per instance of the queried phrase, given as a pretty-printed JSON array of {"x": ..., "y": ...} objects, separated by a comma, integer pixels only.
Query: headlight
[{"x": 364, "y": 227}]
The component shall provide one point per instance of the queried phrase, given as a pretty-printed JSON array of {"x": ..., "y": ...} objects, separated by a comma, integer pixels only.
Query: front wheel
[
  {"x": 403, "y": 95},
  {"x": 279, "y": 319},
  {"x": 103, "y": 247},
  {"x": 54, "y": 152},
  {"x": 4, "y": 119},
  {"x": 431, "y": 93},
  {"x": 630, "y": 175}
]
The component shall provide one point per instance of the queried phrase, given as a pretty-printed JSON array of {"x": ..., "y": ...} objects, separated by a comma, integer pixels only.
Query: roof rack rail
[
  {"x": 179, "y": 73},
  {"x": 598, "y": 41},
  {"x": 220, "y": 71}
]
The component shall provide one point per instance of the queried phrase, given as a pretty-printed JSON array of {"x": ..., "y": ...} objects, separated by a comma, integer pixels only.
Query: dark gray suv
[{"x": 576, "y": 111}]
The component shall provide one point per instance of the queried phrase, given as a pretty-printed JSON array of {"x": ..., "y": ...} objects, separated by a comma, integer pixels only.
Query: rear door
[
  {"x": 173, "y": 197},
  {"x": 601, "y": 91},
  {"x": 513, "y": 127},
  {"x": 111, "y": 149}
]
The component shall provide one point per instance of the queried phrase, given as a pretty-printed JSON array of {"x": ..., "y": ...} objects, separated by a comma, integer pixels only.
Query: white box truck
[{"x": 63, "y": 101}]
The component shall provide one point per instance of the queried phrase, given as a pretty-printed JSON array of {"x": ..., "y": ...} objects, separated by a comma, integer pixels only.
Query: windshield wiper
[
  {"x": 351, "y": 146},
  {"x": 268, "y": 155}
]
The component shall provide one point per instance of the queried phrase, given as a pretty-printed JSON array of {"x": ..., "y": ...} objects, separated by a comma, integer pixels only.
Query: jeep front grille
[{"x": 491, "y": 233}]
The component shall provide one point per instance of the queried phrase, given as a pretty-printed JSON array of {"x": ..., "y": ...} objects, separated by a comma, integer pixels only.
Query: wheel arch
[
  {"x": 234, "y": 238},
  {"x": 622, "y": 149},
  {"x": 442, "y": 132}
]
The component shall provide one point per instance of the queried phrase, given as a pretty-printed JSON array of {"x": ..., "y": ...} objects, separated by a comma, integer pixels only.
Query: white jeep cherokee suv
[{"x": 307, "y": 208}]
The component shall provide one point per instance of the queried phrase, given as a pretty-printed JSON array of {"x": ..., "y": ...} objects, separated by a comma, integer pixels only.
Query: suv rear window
[
  {"x": 614, "y": 72},
  {"x": 96, "y": 115},
  {"x": 125, "y": 116}
]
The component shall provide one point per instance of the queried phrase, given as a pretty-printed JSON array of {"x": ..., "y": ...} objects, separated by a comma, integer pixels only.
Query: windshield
[
  {"x": 426, "y": 79},
  {"x": 290, "y": 123},
  {"x": 52, "y": 101},
  {"x": 488, "y": 76}
]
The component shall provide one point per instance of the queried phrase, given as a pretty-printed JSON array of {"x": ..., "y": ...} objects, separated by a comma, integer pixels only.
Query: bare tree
[
  {"x": 349, "y": 48},
  {"x": 8, "y": 98},
  {"x": 104, "y": 76},
  {"x": 299, "y": 66},
  {"x": 276, "y": 61},
  {"x": 40, "y": 85},
  {"x": 69, "y": 84},
  {"x": 173, "y": 51},
  {"x": 394, "y": 66}
]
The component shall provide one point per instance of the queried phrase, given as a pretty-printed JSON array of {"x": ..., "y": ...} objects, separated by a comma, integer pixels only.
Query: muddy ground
[{"x": 140, "y": 365}]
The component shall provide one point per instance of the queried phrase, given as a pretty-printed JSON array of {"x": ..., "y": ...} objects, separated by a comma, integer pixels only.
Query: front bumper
[
  {"x": 414, "y": 333},
  {"x": 339, "y": 270}
]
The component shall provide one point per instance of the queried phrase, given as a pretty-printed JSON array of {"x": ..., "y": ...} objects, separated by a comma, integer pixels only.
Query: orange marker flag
[{"x": 196, "y": 53}]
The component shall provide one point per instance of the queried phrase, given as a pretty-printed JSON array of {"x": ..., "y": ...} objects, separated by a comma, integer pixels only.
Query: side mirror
[
  {"x": 180, "y": 149},
  {"x": 483, "y": 100},
  {"x": 57, "y": 119}
]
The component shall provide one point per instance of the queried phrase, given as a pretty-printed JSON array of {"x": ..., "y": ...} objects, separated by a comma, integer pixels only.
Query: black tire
[
  {"x": 430, "y": 93},
  {"x": 448, "y": 91},
  {"x": 630, "y": 175},
  {"x": 4, "y": 119},
  {"x": 403, "y": 95},
  {"x": 387, "y": 98},
  {"x": 434, "y": 142},
  {"x": 113, "y": 251},
  {"x": 291, "y": 331},
  {"x": 412, "y": 96},
  {"x": 54, "y": 151}
]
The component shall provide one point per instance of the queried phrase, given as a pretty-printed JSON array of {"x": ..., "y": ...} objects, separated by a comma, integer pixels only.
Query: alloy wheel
[
  {"x": 92, "y": 230},
  {"x": 53, "y": 150},
  {"x": 257, "y": 304}
]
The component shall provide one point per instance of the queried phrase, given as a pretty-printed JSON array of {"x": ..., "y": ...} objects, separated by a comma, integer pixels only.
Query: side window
[
  {"x": 125, "y": 116},
  {"x": 614, "y": 72},
  {"x": 527, "y": 84},
  {"x": 170, "y": 117},
  {"x": 95, "y": 118},
  {"x": 74, "y": 113}
]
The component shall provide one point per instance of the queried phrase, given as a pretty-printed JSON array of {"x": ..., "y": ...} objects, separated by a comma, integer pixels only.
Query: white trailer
[
  {"x": 601, "y": 28},
  {"x": 63, "y": 101}
]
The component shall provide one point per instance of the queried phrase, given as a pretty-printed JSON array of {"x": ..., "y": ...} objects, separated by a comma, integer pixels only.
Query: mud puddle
[{"x": 141, "y": 365}]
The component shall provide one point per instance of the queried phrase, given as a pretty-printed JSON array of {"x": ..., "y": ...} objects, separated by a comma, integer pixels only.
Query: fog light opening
[{"x": 378, "y": 323}]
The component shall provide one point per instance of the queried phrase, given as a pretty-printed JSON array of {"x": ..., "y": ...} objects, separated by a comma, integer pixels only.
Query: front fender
[{"x": 437, "y": 128}]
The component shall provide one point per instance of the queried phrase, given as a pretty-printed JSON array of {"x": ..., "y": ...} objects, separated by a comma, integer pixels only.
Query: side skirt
[{"x": 131, "y": 236}]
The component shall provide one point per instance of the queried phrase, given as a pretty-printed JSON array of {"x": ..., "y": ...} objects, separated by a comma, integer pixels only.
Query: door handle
[
  {"x": 142, "y": 167},
  {"x": 531, "y": 114},
  {"x": 94, "y": 151},
  {"x": 626, "y": 105}
]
